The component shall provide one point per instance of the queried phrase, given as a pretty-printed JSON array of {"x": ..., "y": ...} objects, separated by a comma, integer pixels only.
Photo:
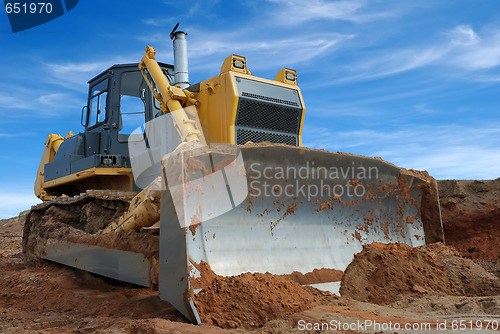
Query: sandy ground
[{"x": 55, "y": 299}]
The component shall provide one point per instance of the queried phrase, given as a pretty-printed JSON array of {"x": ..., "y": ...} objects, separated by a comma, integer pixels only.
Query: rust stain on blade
[
  {"x": 195, "y": 222},
  {"x": 290, "y": 210}
]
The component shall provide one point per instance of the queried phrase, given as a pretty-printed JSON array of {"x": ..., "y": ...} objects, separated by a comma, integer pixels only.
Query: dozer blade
[{"x": 304, "y": 210}]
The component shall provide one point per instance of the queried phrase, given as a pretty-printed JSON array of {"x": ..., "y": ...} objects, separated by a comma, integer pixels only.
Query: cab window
[
  {"x": 97, "y": 103},
  {"x": 132, "y": 102}
]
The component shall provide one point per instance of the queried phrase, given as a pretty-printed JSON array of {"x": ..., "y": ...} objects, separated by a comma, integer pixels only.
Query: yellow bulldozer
[{"x": 171, "y": 179}]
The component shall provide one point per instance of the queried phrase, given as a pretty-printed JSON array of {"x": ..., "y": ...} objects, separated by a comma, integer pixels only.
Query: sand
[{"x": 385, "y": 283}]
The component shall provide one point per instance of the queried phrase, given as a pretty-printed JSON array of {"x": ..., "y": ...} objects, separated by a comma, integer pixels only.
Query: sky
[{"x": 416, "y": 83}]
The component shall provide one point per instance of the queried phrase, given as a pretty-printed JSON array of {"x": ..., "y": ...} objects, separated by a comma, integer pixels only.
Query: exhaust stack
[{"x": 180, "y": 57}]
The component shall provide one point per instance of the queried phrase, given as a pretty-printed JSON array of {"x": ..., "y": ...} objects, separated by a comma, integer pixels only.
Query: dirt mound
[
  {"x": 13, "y": 225},
  {"x": 251, "y": 300},
  {"x": 316, "y": 276},
  {"x": 491, "y": 266},
  {"x": 385, "y": 273},
  {"x": 471, "y": 216},
  {"x": 450, "y": 305}
]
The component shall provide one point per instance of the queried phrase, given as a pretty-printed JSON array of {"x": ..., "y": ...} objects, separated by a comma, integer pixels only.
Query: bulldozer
[{"x": 171, "y": 179}]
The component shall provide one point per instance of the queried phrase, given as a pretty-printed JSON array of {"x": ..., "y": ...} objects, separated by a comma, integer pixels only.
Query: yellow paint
[
  {"x": 170, "y": 97},
  {"x": 235, "y": 63},
  {"x": 218, "y": 103},
  {"x": 144, "y": 210},
  {"x": 88, "y": 173},
  {"x": 105, "y": 178},
  {"x": 51, "y": 146},
  {"x": 285, "y": 76}
]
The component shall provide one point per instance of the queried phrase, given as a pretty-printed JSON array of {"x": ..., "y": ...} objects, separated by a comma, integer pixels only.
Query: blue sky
[{"x": 414, "y": 82}]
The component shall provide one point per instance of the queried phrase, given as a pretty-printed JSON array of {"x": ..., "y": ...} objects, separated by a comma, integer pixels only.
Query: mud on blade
[{"x": 305, "y": 210}]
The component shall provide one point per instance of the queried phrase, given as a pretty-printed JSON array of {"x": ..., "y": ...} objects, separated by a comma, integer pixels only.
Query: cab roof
[{"x": 130, "y": 66}]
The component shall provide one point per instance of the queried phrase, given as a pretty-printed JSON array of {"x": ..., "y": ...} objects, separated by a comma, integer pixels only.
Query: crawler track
[{"x": 63, "y": 217}]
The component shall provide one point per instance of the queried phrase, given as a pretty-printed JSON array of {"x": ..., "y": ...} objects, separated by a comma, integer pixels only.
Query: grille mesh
[
  {"x": 244, "y": 135},
  {"x": 270, "y": 99},
  {"x": 268, "y": 116}
]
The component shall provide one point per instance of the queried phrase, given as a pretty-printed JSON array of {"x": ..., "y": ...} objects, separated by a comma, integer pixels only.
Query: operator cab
[{"x": 119, "y": 102}]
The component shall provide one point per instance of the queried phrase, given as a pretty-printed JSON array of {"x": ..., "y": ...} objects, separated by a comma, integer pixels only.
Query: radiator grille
[
  {"x": 245, "y": 135},
  {"x": 270, "y": 99},
  {"x": 268, "y": 116}
]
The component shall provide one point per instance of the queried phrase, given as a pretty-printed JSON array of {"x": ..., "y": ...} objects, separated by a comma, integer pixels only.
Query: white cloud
[
  {"x": 423, "y": 108},
  {"x": 298, "y": 11},
  {"x": 467, "y": 161},
  {"x": 395, "y": 62},
  {"x": 464, "y": 35},
  {"x": 184, "y": 13},
  {"x": 14, "y": 134},
  {"x": 11, "y": 204},
  {"x": 59, "y": 101},
  {"x": 13, "y": 101},
  {"x": 488, "y": 78},
  {"x": 482, "y": 55},
  {"x": 293, "y": 12},
  {"x": 296, "y": 49},
  {"x": 38, "y": 101},
  {"x": 159, "y": 22},
  {"x": 75, "y": 75},
  {"x": 464, "y": 53},
  {"x": 445, "y": 151}
]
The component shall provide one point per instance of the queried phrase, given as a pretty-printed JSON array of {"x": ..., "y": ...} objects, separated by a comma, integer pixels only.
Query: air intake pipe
[{"x": 180, "y": 57}]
